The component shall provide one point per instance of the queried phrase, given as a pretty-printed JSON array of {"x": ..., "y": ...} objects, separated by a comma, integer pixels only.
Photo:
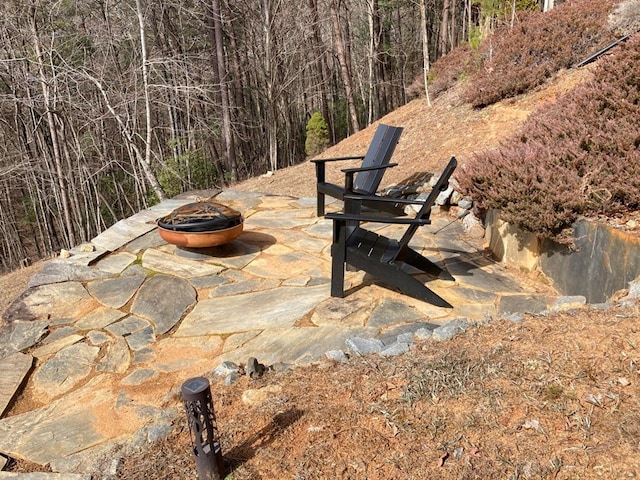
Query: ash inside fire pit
[{"x": 201, "y": 224}]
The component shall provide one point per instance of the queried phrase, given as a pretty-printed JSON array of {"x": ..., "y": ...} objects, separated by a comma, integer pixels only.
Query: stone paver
[
  {"x": 277, "y": 308},
  {"x": 163, "y": 300},
  {"x": 180, "y": 267},
  {"x": 116, "y": 292},
  {"x": 116, "y": 263},
  {"x": 117, "y": 326},
  {"x": 99, "y": 318},
  {"x": 65, "y": 370},
  {"x": 14, "y": 368},
  {"x": 68, "y": 299},
  {"x": 60, "y": 428}
]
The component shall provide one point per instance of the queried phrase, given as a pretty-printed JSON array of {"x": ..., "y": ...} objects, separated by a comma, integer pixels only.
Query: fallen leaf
[
  {"x": 624, "y": 381},
  {"x": 443, "y": 459}
]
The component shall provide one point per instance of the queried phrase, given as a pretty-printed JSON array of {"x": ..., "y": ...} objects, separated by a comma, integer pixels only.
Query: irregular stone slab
[
  {"x": 97, "y": 337},
  {"x": 180, "y": 267},
  {"x": 128, "y": 326},
  {"x": 395, "y": 349},
  {"x": 59, "y": 271},
  {"x": 121, "y": 233},
  {"x": 144, "y": 355},
  {"x": 277, "y": 308},
  {"x": 450, "y": 329},
  {"x": 344, "y": 312},
  {"x": 46, "y": 302},
  {"x": 139, "y": 377},
  {"x": 322, "y": 229},
  {"x": 116, "y": 292},
  {"x": 283, "y": 266},
  {"x": 44, "y": 476},
  {"x": 296, "y": 345},
  {"x": 336, "y": 355},
  {"x": 99, "y": 318},
  {"x": 64, "y": 371},
  {"x": 116, "y": 262},
  {"x": 117, "y": 358},
  {"x": 472, "y": 275},
  {"x": 59, "y": 333},
  {"x": 141, "y": 339},
  {"x": 521, "y": 304},
  {"x": 246, "y": 286},
  {"x": 22, "y": 335},
  {"x": 100, "y": 461},
  {"x": 66, "y": 426},
  {"x": 238, "y": 340},
  {"x": 236, "y": 254},
  {"x": 277, "y": 219},
  {"x": 364, "y": 346},
  {"x": 148, "y": 240},
  {"x": 568, "y": 303},
  {"x": 189, "y": 355},
  {"x": 392, "y": 312},
  {"x": 475, "y": 295},
  {"x": 14, "y": 368},
  {"x": 164, "y": 300},
  {"x": 206, "y": 282},
  {"x": 49, "y": 349},
  {"x": 398, "y": 333}
]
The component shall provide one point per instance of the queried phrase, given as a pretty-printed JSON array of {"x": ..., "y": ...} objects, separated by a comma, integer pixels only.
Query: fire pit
[{"x": 201, "y": 224}]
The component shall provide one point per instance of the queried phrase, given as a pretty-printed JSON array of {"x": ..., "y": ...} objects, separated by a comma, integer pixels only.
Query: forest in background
[{"x": 108, "y": 106}]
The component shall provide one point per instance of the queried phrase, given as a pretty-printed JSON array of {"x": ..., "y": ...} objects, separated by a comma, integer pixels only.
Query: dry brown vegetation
[{"x": 552, "y": 397}]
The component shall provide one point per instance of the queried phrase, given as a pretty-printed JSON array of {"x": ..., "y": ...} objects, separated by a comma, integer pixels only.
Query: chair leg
[
  {"x": 338, "y": 258},
  {"x": 413, "y": 258},
  {"x": 320, "y": 205},
  {"x": 392, "y": 274}
]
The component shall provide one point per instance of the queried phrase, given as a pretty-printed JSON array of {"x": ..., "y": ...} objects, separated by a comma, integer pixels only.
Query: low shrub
[
  {"x": 515, "y": 60},
  {"x": 578, "y": 156}
]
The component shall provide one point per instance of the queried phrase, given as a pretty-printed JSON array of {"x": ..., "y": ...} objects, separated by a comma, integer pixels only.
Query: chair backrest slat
[
  {"x": 379, "y": 153},
  {"x": 425, "y": 210}
]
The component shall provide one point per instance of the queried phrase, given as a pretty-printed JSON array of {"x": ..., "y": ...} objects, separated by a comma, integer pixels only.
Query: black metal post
[{"x": 196, "y": 394}]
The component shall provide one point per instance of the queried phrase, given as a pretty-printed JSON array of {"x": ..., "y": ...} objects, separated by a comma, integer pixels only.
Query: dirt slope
[{"x": 431, "y": 136}]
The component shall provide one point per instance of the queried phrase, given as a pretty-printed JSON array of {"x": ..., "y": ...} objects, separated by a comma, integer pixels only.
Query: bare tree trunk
[
  {"x": 227, "y": 134},
  {"x": 443, "y": 44},
  {"x": 320, "y": 61},
  {"x": 345, "y": 69},
  {"x": 53, "y": 132},
  {"x": 146, "y": 161},
  {"x": 425, "y": 49}
]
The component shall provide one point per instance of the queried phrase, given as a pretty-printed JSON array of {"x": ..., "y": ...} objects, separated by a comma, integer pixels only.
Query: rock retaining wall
[{"x": 605, "y": 262}]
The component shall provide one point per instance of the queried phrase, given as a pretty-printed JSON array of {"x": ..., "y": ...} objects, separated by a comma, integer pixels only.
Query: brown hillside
[{"x": 431, "y": 135}]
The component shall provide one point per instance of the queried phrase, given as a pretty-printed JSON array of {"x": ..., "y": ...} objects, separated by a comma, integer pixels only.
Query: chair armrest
[
  {"x": 321, "y": 163},
  {"x": 368, "y": 169},
  {"x": 336, "y": 159},
  {"x": 350, "y": 173},
  {"x": 375, "y": 198},
  {"x": 345, "y": 217}
]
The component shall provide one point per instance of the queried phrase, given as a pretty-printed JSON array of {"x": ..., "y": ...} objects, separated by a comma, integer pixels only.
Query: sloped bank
[{"x": 605, "y": 261}]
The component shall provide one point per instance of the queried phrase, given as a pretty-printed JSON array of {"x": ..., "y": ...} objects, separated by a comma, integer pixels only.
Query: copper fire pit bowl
[{"x": 200, "y": 225}]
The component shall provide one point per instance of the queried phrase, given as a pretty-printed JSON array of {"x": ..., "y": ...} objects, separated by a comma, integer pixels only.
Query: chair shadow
[
  {"x": 460, "y": 264},
  {"x": 245, "y": 451}
]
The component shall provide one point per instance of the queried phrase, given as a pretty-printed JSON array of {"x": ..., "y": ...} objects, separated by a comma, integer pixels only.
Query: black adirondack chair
[
  {"x": 380, "y": 256},
  {"x": 365, "y": 179}
]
